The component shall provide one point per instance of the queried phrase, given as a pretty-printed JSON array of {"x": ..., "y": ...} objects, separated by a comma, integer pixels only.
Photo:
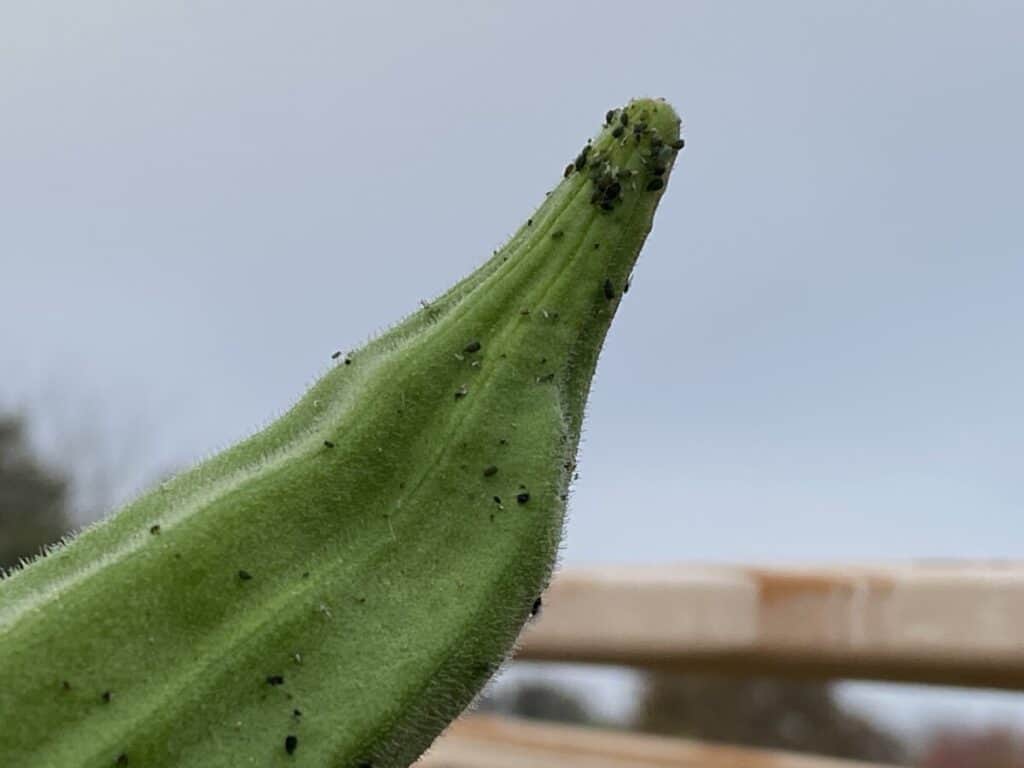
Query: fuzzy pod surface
[{"x": 335, "y": 589}]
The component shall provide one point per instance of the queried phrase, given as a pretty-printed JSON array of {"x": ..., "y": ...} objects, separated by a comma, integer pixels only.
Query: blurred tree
[
  {"x": 959, "y": 748},
  {"x": 33, "y": 497},
  {"x": 536, "y": 701},
  {"x": 771, "y": 714}
]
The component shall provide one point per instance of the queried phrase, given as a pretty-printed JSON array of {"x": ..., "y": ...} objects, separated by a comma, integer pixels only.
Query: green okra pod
[{"x": 335, "y": 589}]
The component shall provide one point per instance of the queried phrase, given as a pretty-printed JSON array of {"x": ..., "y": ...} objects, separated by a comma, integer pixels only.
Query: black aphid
[
  {"x": 290, "y": 743},
  {"x": 328, "y": 444},
  {"x": 609, "y": 290},
  {"x": 490, "y": 471},
  {"x": 568, "y": 170},
  {"x": 617, "y": 131},
  {"x": 677, "y": 145},
  {"x": 296, "y": 713},
  {"x": 609, "y": 116},
  {"x": 461, "y": 392},
  {"x": 275, "y": 679},
  {"x": 497, "y": 499},
  {"x": 244, "y": 575},
  {"x": 523, "y": 497},
  {"x": 529, "y": 222},
  {"x": 655, "y": 184},
  {"x": 336, "y": 355},
  {"x": 107, "y": 696},
  {"x": 122, "y": 759},
  {"x": 473, "y": 346},
  {"x": 154, "y": 529},
  {"x": 557, "y": 234},
  {"x": 535, "y": 609},
  {"x": 348, "y": 361},
  {"x": 624, "y": 118},
  {"x": 581, "y": 158},
  {"x": 659, "y": 171},
  {"x": 65, "y": 685}
]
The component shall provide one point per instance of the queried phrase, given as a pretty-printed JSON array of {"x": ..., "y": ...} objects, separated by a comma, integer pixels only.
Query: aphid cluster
[
  {"x": 607, "y": 184},
  {"x": 609, "y": 179}
]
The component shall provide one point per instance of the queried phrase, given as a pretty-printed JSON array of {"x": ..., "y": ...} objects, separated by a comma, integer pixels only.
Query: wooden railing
[{"x": 938, "y": 622}]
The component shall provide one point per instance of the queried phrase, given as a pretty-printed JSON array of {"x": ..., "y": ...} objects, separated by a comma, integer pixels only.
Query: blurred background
[{"x": 820, "y": 359}]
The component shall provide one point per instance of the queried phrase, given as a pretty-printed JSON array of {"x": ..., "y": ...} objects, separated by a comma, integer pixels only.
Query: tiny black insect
[
  {"x": 655, "y": 184},
  {"x": 609, "y": 290},
  {"x": 490, "y": 471},
  {"x": 536, "y": 607},
  {"x": 523, "y": 497},
  {"x": 328, "y": 444},
  {"x": 529, "y": 222},
  {"x": 336, "y": 355},
  {"x": 461, "y": 392},
  {"x": 624, "y": 118},
  {"x": 244, "y": 575},
  {"x": 617, "y": 131},
  {"x": 473, "y": 346},
  {"x": 154, "y": 529},
  {"x": 557, "y": 234},
  {"x": 122, "y": 759},
  {"x": 107, "y": 696},
  {"x": 581, "y": 158},
  {"x": 290, "y": 743},
  {"x": 275, "y": 679},
  {"x": 348, "y": 361},
  {"x": 296, "y": 713},
  {"x": 677, "y": 145},
  {"x": 65, "y": 685},
  {"x": 568, "y": 170},
  {"x": 609, "y": 116}
]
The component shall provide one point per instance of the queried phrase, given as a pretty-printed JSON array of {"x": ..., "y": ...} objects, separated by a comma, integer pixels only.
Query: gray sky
[{"x": 820, "y": 358}]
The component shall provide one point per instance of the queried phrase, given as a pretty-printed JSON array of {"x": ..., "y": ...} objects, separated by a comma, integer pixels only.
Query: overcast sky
[{"x": 820, "y": 358}]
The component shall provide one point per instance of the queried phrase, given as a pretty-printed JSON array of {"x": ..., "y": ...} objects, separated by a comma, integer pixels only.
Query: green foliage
[
  {"x": 335, "y": 589},
  {"x": 792, "y": 715},
  {"x": 33, "y": 498}
]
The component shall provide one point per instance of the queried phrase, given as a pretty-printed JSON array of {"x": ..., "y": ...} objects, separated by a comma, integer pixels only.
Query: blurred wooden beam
[
  {"x": 947, "y": 623},
  {"x": 490, "y": 742}
]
